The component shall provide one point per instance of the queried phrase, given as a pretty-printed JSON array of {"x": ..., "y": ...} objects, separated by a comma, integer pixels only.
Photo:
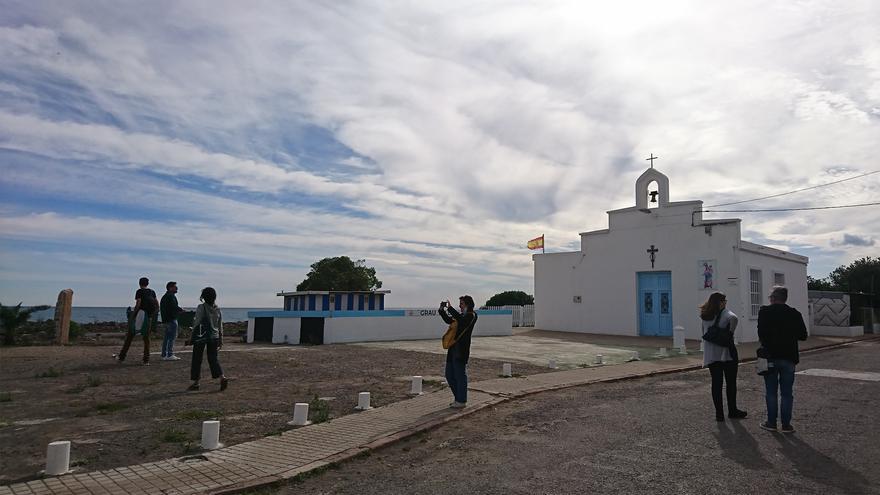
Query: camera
[{"x": 443, "y": 304}]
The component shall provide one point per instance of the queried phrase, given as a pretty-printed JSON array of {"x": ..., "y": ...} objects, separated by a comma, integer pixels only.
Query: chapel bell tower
[{"x": 652, "y": 190}]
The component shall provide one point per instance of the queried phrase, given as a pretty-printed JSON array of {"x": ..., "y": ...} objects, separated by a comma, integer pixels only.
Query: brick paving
[{"x": 277, "y": 458}]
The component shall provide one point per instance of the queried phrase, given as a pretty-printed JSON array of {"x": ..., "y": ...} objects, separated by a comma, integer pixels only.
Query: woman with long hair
[
  {"x": 207, "y": 332},
  {"x": 722, "y": 361}
]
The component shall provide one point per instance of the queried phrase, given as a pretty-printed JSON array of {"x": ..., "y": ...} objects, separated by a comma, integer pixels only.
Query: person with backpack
[
  {"x": 722, "y": 360},
  {"x": 458, "y": 346},
  {"x": 207, "y": 333},
  {"x": 780, "y": 327}
]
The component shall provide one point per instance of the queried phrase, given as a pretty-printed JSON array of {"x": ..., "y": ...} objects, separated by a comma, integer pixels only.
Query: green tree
[
  {"x": 859, "y": 276},
  {"x": 12, "y": 317},
  {"x": 511, "y": 298},
  {"x": 340, "y": 273},
  {"x": 819, "y": 284}
]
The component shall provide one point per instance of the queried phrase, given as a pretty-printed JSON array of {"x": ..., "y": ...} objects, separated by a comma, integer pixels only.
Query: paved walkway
[{"x": 282, "y": 457}]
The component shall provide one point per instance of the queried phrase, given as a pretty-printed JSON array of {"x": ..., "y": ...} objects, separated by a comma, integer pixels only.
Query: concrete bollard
[
  {"x": 506, "y": 369},
  {"x": 634, "y": 356},
  {"x": 58, "y": 458},
  {"x": 663, "y": 352},
  {"x": 683, "y": 350},
  {"x": 552, "y": 364},
  {"x": 300, "y": 414},
  {"x": 210, "y": 435},
  {"x": 416, "y": 388},
  {"x": 363, "y": 401},
  {"x": 600, "y": 359},
  {"x": 678, "y": 337}
]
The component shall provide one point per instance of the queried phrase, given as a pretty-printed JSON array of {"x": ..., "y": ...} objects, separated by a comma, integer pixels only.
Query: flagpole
[{"x": 542, "y": 245}]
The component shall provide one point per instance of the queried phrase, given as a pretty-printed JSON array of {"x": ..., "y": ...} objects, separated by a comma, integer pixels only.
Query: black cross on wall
[{"x": 653, "y": 252}]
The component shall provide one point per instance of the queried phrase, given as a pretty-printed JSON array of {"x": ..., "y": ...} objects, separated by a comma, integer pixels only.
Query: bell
[{"x": 653, "y": 195}]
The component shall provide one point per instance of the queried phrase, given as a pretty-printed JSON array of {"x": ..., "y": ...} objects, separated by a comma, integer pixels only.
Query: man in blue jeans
[
  {"x": 458, "y": 354},
  {"x": 780, "y": 327},
  {"x": 170, "y": 310}
]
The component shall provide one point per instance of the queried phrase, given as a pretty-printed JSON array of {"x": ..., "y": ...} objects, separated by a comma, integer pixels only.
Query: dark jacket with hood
[{"x": 462, "y": 349}]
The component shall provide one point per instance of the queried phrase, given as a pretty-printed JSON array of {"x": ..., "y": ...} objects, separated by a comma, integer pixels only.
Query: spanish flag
[{"x": 536, "y": 243}]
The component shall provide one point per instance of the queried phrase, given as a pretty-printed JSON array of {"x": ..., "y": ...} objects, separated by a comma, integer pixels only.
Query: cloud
[
  {"x": 855, "y": 240},
  {"x": 403, "y": 131}
]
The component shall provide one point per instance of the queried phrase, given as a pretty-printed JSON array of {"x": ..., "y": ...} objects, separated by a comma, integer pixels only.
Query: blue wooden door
[{"x": 655, "y": 303}]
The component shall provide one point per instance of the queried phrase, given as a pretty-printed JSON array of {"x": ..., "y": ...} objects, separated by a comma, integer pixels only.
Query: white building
[{"x": 654, "y": 265}]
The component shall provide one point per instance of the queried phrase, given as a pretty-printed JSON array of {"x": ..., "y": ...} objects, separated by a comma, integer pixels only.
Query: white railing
[{"x": 523, "y": 316}]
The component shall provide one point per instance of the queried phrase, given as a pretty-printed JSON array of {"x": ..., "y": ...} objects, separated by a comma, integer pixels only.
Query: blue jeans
[
  {"x": 170, "y": 335},
  {"x": 456, "y": 376},
  {"x": 781, "y": 377}
]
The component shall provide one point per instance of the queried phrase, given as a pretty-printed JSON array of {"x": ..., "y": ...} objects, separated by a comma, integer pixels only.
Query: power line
[
  {"x": 797, "y": 190},
  {"x": 793, "y": 209}
]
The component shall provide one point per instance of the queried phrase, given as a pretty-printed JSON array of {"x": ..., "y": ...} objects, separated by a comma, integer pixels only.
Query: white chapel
[{"x": 654, "y": 265}]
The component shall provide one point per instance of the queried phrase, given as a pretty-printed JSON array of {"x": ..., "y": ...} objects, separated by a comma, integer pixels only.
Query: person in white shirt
[{"x": 722, "y": 361}]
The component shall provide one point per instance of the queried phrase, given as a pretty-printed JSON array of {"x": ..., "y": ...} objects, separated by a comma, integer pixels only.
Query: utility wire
[
  {"x": 794, "y": 209},
  {"x": 797, "y": 190}
]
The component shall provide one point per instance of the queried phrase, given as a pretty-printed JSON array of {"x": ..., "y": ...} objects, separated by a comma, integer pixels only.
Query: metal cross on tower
[
  {"x": 651, "y": 159},
  {"x": 653, "y": 252}
]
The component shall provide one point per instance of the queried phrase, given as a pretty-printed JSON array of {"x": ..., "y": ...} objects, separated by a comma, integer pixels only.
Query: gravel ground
[
  {"x": 652, "y": 435},
  {"x": 120, "y": 414}
]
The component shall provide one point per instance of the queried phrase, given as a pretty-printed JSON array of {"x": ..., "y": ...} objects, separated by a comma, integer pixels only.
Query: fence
[{"x": 523, "y": 316}]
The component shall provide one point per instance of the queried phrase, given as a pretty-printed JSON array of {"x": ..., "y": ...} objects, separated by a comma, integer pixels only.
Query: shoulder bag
[
  {"x": 450, "y": 339},
  {"x": 718, "y": 335}
]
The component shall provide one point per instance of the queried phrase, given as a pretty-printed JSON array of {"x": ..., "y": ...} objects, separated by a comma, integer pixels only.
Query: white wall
[
  {"x": 285, "y": 327},
  {"x": 795, "y": 280},
  {"x": 606, "y": 277},
  {"x": 410, "y": 327}
]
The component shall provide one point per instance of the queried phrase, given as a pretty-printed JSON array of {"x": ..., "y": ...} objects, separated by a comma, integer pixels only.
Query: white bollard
[
  {"x": 552, "y": 364},
  {"x": 600, "y": 359},
  {"x": 683, "y": 350},
  {"x": 678, "y": 337},
  {"x": 635, "y": 356},
  {"x": 363, "y": 401},
  {"x": 210, "y": 435},
  {"x": 300, "y": 414},
  {"x": 58, "y": 458},
  {"x": 506, "y": 369},
  {"x": 663, "y": 352},
  {"x": 416, "y": 388}
]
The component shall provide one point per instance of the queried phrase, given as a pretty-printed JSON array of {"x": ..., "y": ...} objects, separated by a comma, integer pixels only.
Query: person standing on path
[
  {"x": 207, "y": 333},
  {"x": 779, "y": 328},
  {"x": 169, "y": 309},
  {"x": 458, "y": 354},
  {"x": 145, "y": 308},
  {"x": 722, "y": 361}
]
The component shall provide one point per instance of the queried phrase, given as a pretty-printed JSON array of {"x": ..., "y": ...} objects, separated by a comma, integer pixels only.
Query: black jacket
[
  {"x": 779, "y": 328},
  {"x": 462, "y": 348}
]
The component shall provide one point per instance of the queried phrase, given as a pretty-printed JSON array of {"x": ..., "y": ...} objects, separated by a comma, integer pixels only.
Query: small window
[
  {"x": 756, "y": 291},
  {"x": 778, "y": 278}
]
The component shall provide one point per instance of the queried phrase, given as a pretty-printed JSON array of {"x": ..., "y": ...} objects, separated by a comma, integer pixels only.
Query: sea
[{"x": 91, "y": 314}]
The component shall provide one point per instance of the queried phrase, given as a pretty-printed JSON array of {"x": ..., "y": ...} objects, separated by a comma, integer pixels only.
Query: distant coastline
[{"x": 92, "y": 314}]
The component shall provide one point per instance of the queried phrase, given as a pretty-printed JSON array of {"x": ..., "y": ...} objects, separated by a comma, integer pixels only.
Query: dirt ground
[{"x": 118, "y": 414}]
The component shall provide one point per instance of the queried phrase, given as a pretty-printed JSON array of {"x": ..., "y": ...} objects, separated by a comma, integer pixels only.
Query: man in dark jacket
[
  {"x": 458, "y": 354},
  {"x": 779, "y": 328},
  {"x": 170, "y": 309}
]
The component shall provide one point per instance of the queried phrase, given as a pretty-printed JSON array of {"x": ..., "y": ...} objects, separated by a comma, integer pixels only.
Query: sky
[{"x": 233, "y": 144}]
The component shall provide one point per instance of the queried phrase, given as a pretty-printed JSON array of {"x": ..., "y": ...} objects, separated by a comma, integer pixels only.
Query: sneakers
[
  {"x": 146, "y": 363},
  {"x": 737, "y": 414},
  {"x": 117, "y": 358},
  {"x": 458, "y": 405},
  {"x": 719, "y": 417},
  {"x": 787, "y": 429},
  {"x": 173, "y": 358},
  {"x": 224, "y": 382},
  {"x": 767, "y": 426},
  {"x": 193, "y": 387}
]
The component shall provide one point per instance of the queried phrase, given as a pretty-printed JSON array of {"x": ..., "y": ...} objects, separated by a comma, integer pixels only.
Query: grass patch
[
  {"x": 190, "y": 448},
  {"x": 93, "y": 381},
  {"x": 173, "y": 435},
  {"x": 5, "y": 396},
  {"x": 512, "y": 375},
  {"x": 198, "y": 415},
  {"x": 4, "y": 423},
  {"x": 110, "y": 407},
  {"x": 50, "y": 373},
  {"x": 319, "y": 410},
  {"x": 433, "y": 383}
]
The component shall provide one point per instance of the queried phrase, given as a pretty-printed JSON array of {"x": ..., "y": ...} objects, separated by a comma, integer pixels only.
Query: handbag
[
  {"x": 449, "y": 338},
  {"x": 762, "y": 364},
  {"x": 718, "y": 335}
]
